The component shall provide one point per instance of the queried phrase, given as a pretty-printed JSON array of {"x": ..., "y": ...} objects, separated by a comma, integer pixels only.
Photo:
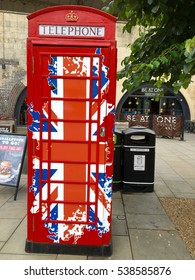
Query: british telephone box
[{"x": 71, "y": 75}]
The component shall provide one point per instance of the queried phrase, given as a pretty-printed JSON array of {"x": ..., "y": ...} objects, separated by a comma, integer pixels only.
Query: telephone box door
[{"x": 71, "y": 149}]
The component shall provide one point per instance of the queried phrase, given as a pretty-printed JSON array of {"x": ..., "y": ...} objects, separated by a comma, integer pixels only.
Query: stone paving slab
[
  {"x": 16, "y": 243},
  {"x": 171, "y": 177},
  {"x": 71, "y": 257},
  {"x": 146, "y": 221},
  {"x": 7, "y": 227},
  {"x": 179, "y": 187},
  {"x": 26, "y": 257},
  {"x": 13, "y": 209},
  {"x": 1, "y": 244},
  {"x": 191, "y": 182},
  {"x": 117, "y": 207},
  {"x": 162, "y": 190},
  {"x": 157, "y": 245},
  {"x": 119, "y": 225},
  {"x": 4, "y": 197},
  {"x": 185, "y": 195},
  {"x": 121, "y": 249},
  {"x": 145, "y": 203}
]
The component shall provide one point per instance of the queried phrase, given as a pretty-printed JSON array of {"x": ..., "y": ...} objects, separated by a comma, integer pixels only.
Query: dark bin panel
[
  {"x": 138, "y": 159},
  {"x": 117, "y": 174}
]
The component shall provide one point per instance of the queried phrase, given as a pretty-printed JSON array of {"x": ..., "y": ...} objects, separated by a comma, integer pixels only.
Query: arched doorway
[
  {"x": 20, "y": 112},
  {"x": 157, "y": 108},
  {"x": 148, "y": 99}
]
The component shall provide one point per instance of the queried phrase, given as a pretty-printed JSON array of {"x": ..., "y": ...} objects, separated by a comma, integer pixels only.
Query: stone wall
[{"x": 13, "y": 34}]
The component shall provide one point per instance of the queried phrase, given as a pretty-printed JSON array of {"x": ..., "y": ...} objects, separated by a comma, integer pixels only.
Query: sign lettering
[
  {"x": 166, "y": 120},
  {"x": 167, "y": 125},
  {"x": 5, "y": 128},
  {"x": 138, "y": 119},
  {"x": 152, "y": 90},
  {"x": 75, "y": 31}
]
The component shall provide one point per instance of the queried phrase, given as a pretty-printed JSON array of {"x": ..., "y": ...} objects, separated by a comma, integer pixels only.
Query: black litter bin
[
  {"x": 138, "y": 159},
  {"x": 117, "y": 173}
]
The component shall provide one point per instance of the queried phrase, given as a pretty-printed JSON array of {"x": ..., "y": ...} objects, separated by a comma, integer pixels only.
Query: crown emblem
[{"x": 72, "y": 16}]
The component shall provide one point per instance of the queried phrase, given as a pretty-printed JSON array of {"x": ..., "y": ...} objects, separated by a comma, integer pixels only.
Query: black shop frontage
[{"x": 157, "y": 108}]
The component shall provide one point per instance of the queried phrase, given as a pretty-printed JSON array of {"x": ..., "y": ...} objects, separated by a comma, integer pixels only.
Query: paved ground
[{"x": 141, "y": 229}]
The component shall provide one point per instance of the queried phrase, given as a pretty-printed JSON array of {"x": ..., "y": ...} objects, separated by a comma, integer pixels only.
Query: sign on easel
[{"x": 12, "y": 152}]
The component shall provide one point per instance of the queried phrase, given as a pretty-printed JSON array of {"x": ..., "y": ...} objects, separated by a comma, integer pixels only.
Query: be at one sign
[
  {"x": 138, "y": 119},
  {"x": 12, "y": 151}
]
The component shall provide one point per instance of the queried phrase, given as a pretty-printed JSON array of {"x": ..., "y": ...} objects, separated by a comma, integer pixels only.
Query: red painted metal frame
[{"x": 37, "y": 48}]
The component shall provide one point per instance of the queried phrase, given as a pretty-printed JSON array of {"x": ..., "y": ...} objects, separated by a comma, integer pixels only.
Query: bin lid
[
  {"x": 117, "y": 131},
  {"x": 139, "y": 136},
  {"x": 138, "y": 129}
]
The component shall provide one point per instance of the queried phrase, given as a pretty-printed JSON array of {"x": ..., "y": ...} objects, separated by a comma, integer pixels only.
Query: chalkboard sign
[{"x": 12, "y": 152}]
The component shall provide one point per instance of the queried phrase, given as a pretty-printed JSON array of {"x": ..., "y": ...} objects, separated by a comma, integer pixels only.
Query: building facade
[{"x": 13, "y": 85}]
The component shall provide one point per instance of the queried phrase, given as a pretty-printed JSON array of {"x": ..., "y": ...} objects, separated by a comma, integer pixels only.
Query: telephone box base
[{"x": 49, "y": 248}]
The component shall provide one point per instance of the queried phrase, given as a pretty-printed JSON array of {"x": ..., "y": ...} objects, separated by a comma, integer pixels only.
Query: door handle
[{"x": 102, "y": 131}]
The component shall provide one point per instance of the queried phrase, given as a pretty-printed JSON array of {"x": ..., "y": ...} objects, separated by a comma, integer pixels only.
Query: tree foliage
[{"x": 164, "y": 52}]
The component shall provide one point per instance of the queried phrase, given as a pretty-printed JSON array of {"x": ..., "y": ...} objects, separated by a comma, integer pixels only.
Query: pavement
[{"x": 141, "y": 229}]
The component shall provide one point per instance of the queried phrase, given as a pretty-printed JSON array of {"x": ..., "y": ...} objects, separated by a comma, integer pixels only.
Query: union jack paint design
[{"x": 72, "y": 165}]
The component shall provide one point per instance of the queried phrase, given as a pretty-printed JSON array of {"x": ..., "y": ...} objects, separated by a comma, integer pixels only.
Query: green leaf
[
  {"x": 176, "y": 87},
  {"x": 163, "y": 59},
  {"x": 126, "y": 60},
  {"x": 158, "y": 83},
  {"x": 190, "y": 43},
  {"x": 146, "y": 77},
  {"x": 155, "y": 9},
  {"x": 156, "y": 63},
  {"x": 150, "y": 2},
  {"x": 174, "y": 54},
  {"x": 150, "y": 66}
]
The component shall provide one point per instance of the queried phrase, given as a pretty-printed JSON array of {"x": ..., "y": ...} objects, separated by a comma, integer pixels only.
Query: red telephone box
[{"x": 71, "y": 74}]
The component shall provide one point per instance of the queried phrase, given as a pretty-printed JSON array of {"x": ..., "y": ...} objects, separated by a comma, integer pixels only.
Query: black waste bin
[
  {"x": 117, "y": 173},
  {"x": 138, "y": 159}
]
